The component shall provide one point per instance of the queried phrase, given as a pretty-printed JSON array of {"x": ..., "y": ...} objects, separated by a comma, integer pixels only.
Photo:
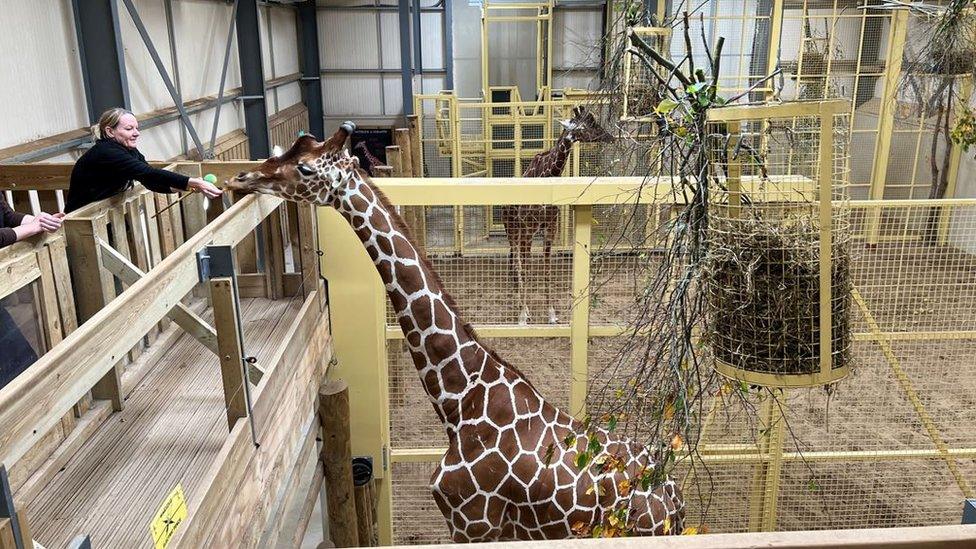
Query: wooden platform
[{"x": 169, "y": 433}]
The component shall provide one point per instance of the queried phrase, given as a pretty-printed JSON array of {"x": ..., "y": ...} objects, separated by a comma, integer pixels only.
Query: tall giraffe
[
  {"x": 509, "y": 471},
  {"x": 522, "y": 223}
]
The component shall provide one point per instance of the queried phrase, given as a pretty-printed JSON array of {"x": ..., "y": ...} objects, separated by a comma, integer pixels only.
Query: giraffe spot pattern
[{"x": 506, "y": 473}]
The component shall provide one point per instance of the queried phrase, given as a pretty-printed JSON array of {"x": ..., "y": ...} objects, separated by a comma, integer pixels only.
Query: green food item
[{"x": 210, "y": 178}]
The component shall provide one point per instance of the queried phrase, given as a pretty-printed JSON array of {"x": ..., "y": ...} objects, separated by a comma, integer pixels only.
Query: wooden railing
[
  {"x": 123, "y": 270},
  {"x": 39, "y": 270}
]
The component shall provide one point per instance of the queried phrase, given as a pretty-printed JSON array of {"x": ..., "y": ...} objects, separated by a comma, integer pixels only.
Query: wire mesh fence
[
  {"x": 890, "y": 446},
  {"x": 874, "y": 451}
]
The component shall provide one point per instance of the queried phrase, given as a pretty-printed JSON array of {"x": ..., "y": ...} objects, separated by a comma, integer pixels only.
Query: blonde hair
[{"x": 110, "y": 119}]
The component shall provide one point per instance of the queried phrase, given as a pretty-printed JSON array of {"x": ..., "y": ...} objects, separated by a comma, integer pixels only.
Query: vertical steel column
[
  {"x": 252, "y": 79},
  {"x": 308, "y": 55},
  {"x": 449, "y": 43},
  {"x": 406, "y": 70},
  {"x": 102, "y": 58},
  {"x": 418, "y": 54}
]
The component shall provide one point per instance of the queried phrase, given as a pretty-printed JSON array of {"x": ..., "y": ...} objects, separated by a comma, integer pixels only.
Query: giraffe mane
[{"x": 401, "y": 225}]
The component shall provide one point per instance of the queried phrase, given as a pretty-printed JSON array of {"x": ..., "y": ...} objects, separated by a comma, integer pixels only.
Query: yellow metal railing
[{"x": 404, "y": 433}]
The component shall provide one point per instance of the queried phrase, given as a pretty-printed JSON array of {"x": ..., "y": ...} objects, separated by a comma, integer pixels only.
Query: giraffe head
[
  {"x": 584, "y": 128},
  {"x": 310, "y": 171}
]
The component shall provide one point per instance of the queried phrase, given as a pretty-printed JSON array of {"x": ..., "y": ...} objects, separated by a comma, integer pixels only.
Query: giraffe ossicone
[{"x": 510, "y": 471}]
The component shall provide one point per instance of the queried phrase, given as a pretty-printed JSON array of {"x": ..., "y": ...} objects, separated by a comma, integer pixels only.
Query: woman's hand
[
  {"x": 198, "y": 185},
  {"x": 49, "y": 222},
  {"x": 42, "y": 222}
]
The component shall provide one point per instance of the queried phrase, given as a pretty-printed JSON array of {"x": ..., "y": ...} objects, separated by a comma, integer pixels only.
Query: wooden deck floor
[{"x": 171, "y": 429}]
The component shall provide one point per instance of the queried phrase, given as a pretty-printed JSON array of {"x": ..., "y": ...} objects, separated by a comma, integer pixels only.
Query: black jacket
[
  {"x": 8, "y": 220},
  {"x": 108, "y": 169}
]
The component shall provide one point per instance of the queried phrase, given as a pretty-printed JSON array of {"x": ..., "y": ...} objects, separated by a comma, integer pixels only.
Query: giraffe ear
[
  {"x": 277, "y": 151},
  {"x": 568, "y": 124},
  {"x": 305, "y": 169}
]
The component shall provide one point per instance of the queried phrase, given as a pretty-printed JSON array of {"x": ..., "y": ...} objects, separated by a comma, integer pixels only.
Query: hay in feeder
[{"x": 762, "y": 291}]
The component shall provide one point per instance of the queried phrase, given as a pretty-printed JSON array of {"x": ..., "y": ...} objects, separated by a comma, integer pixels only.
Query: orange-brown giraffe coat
[{"x": 507, "y": 473}]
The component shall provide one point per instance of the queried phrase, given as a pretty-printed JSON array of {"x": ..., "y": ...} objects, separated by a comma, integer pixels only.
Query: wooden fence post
[
  {"x": 401, "y": 137},
  {"x": 336, "y": 459},
  {"x": 224, "y": 298},
  {"x": 308, "y": 247},
  {"x": 415, "y": 159},
  {"x": 366, "y": 514},
  {"x": 274, "y": 264},
  {"x": 94, "y": 288},
  {"x": 394, "y": 160}
]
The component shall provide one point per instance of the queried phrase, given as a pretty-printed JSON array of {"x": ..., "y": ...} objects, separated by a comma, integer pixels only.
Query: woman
[
  {"x": 16, "y": 353},
  {"x": 109, "y": 167}
]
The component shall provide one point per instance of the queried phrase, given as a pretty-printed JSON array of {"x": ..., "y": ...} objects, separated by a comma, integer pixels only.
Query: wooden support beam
[
  {"x": 308, "y": 248},
  {"x": 366, "y": 514},
  {"x": 416, "y": 160},
  {"x": 336, "y": 457},
  {"x": 94, "y": 289},
  {"x": 401, "y": 136},
  {"x": 393, "y": 154},
  {"x": 194, "y": 213},
  {"x": 274, "y": 264},
  {"x": 229, "y": 337},
  {"x": 129, "y": 274}
]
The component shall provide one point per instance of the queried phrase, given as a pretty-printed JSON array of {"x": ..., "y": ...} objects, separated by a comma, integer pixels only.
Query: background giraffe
[
  {"x": 522, "y": 223},
  {"x": 371, "y": 161},
  {"x": 509, "y": 471}
]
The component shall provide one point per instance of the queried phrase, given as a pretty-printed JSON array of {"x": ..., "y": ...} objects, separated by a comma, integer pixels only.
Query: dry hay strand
[{"x": 762, "y": 295}]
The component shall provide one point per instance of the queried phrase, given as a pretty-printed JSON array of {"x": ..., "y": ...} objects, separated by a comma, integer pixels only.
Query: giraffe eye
[{"x": 305, "y": 169}]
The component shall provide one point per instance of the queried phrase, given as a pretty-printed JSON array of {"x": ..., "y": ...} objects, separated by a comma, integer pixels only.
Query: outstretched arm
[{"x": 20, "y": 226}]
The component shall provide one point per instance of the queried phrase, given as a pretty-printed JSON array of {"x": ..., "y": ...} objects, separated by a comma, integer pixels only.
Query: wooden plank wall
[{"x": 41, "y": 263}]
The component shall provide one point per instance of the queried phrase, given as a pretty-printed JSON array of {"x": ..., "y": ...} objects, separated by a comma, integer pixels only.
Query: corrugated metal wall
[
  {"x": 360, "y": 56},
  {"x": 41, "y": 76}
]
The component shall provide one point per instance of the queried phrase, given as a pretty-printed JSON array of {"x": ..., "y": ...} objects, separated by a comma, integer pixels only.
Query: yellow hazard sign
[{"x": 171, "y": 513}]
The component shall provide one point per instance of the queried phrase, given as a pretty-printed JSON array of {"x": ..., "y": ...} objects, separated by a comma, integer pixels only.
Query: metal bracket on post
[
  {"x": 218, "y": 262},
  {"x": 7, "y": 509}
]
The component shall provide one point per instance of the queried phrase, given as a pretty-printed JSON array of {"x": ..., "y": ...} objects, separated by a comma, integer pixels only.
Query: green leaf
[
  {"x": 593, "y": 445},
  {"x": 570, "y": 440},
  {"x": 695, "y": 88},
  {"x": 612, "y": 424},
  {"x": 665, "y": 106},
  {"x": 582, "y": 459}
]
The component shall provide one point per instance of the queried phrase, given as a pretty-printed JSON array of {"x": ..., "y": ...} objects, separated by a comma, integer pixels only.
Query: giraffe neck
[
  {"x": 560, "y": 153},
  {"x": 447, "y": 356}
]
